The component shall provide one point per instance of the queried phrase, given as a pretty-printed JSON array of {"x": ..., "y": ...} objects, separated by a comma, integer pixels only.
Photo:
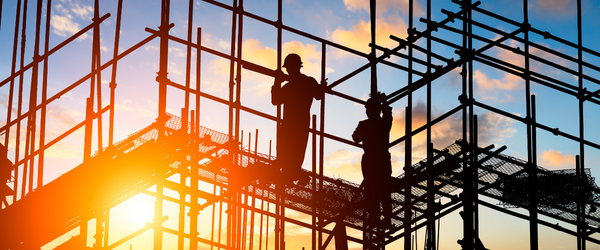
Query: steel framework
[{"x": 175, "y": 153}]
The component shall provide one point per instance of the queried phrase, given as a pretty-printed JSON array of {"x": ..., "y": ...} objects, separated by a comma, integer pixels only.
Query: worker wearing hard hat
[{"x": 296, "y": 96}]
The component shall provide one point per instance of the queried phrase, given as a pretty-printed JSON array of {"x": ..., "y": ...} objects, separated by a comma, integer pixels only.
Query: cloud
[
  {"x": 489, "y": 87},
  {"x": 63, "y": 115},
  {"x": 358, "y": 36},
  {"x": 81, "y": 11},
  {"x": 509, "y": 82},
  {"x": 519, "y": 59},
  {"x": 346, "y": 161},
  {"x": 219, "y": 44},
  {"x": 493, "y": 128},
  {"x": 4, "y": 103},
  {"x": 151, "y": 48},
  {"x": 177, "y": 52},
  {"x": 254, "y": 51},
  {"x": 64, "y": 19},
  {"x": 64, "y": 26},
  {"x": 258, "y": 53},
  {"x": 556, "y": 159},
  {"x": 384, "y": 6},
  {"x": 59, "y": 119},
  {"x": 173, "y": 51},
  {"x": 509, "y": 98},
  {"x": 553, "y": 7}
]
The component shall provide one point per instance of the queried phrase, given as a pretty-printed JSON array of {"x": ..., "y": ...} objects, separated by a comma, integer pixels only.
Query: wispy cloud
[
  {"x": 358, "y": 36},
  {"x": 485, "y": 84},
  {"x": 82, "y": 12},
  {"x": 507, "y": 98},
  {"x": 66, "y": 15},
  {"x": 63, "y": 115},
  {"x": 493, "y": 128},
  {"x": 389, "y": 22},
  {"x": 346, "y": 161},
  {"x": 490, "y": 87},
  {"x": 256, "y": 52}
]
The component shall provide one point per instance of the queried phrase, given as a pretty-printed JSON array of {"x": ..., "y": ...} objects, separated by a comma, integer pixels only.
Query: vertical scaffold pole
[
  {"x": 113, "y": 80},
  {"x": 231, "y": 215},
  {"x": 158, "y": 207},
  {"x": 314, "y": 184},
  {"x": 472, "y": 132},
  {"x": 20, "y": 101},
  {"x": 90, "y": 109},
  {"x": 32, "y": 118},
  {"x": 188, "y": 59},
  {"x": 96, "y": 67},
  {"x": 532, "y": 154},
  {"x": 279, "y": 189},
  {"x": 408, "y": 142},
  {"x": 372, "y": 56},
  {"x": 182, "y": 185},
  {"x": 430, "y": 182},
  {"x": 198, "y": 74},
  {"x": 237, "y": 103},
  {"x": 533, "y": 180},
  {"x": 163, "y": 65},
  {"x": 577, "y": 165},
  {"x": 321, "y": 137},
  {"x": 44, "y": 96},
  {"x": 188, "y": 70},
  {"x": 468, "y": 232},
  {"x": 580, "y": 228},
  {"x": 11, "y": 95},
  {"x": 162, "y": 110},
  {"x": 372, "y": 59}
]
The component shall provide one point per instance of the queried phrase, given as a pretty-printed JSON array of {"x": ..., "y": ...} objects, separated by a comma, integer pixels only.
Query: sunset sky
[{"x": 345, "y": 22}]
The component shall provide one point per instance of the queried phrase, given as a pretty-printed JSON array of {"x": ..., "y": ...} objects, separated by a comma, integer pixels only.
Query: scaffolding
[{"x": 177, "y": 153}]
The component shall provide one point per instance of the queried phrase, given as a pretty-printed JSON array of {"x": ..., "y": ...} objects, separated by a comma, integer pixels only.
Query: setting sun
[{"x": 139, "y": 212}]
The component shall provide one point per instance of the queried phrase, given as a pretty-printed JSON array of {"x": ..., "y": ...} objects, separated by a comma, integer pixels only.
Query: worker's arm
[
  {"x": 277, "y": 95},
  {"x": 358, "y": 134},
  {"x": 319, "y": 89}
]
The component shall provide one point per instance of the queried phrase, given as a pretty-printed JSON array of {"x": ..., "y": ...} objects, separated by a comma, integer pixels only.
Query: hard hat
[
  {"x": 375, "y": 101},
  {"x": 292, "y": 60}
]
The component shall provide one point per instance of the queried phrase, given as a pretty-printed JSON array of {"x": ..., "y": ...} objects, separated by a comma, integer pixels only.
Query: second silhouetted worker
[{"x": 374, "y": 133}]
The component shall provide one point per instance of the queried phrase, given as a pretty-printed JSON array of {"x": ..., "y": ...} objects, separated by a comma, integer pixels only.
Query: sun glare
[{"x": 139, "y": 212}]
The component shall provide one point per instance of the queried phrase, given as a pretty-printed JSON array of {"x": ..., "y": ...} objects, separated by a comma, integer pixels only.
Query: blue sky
[{"x": 345, "y": 22}]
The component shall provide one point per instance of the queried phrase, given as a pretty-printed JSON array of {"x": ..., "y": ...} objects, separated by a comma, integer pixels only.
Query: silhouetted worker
[
  {"x": 374, "y": 133},
  {"x": 5, "y": 164},
  {"x": 296, "y": 96},
  {"x": 6, "y": 167}
]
